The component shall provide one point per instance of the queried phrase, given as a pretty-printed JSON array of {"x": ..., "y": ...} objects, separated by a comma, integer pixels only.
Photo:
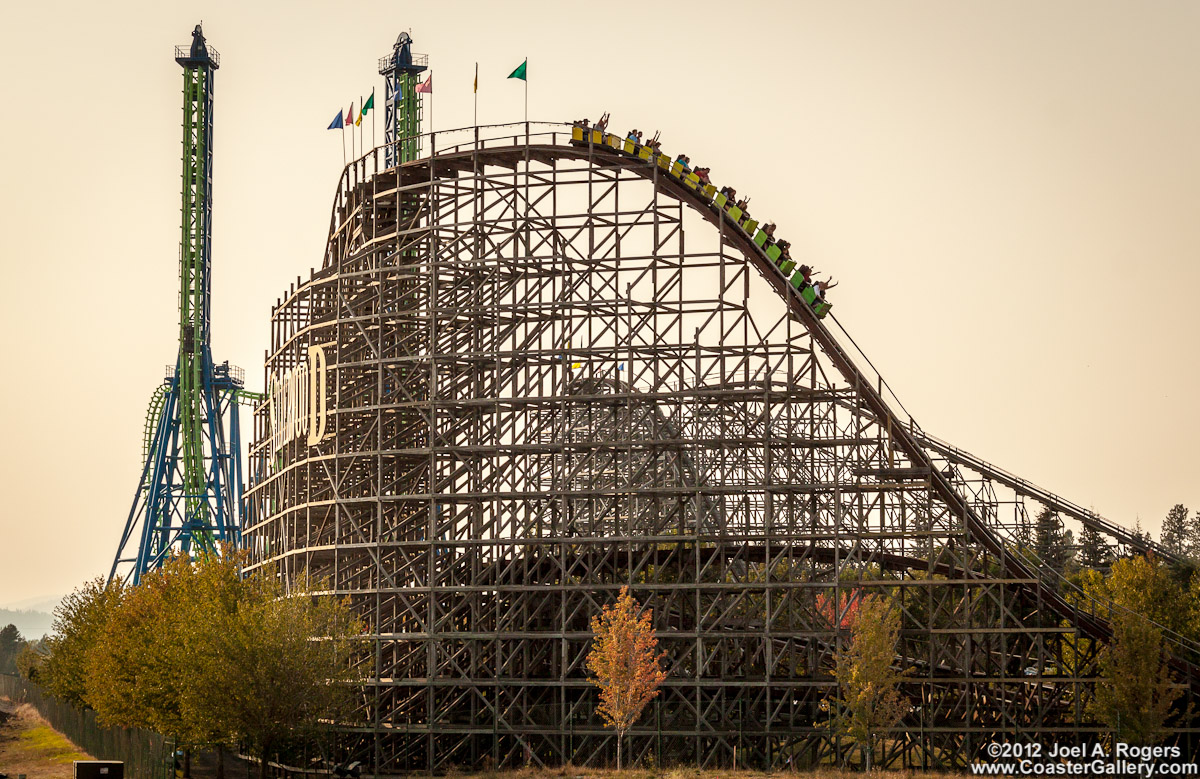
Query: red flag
[
  {"x": 350, "y": 115},
  {"x": 426, "y": 86}
]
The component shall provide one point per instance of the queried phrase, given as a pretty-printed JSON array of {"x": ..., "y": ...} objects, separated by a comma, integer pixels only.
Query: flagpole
[
  {"x": 359, "y": 123},
  {"x": 345, "y": 162},
  {"x": 476, "y": 94},
  {"x": 372, "y": 118}
]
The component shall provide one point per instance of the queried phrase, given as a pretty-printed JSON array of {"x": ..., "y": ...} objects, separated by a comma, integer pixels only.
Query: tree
[
  {"x": 199, "y": 653},
  {"x": 1193, "y": 536},
  {"x": 839, "y": 613},
  {"x": 274, "y": 665},
  {"x": 623, "y": 663},
  {"x": 205, "y": 656},
  {"x": 1050, "y": 543},
  {"x": 1135, "y": 692},
  {"x": 142, "y": 665},
  {"x": 1139, "y": 534},
  {"x": 1174, "y": 535},
  {"x": 30, "y": 661},
  {"x": 869, "y": 700},
  {"x": 11, "y": 644},
  {"x": 1145, "y": 586},
  {"x": 1094, "y": 552},
  {"x": 78, "y": 623}
]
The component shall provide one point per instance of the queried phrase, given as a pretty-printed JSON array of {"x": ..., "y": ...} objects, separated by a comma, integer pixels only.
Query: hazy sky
[{"x": 1009, "y": 193}]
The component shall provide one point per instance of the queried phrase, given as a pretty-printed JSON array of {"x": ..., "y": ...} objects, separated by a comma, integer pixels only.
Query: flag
[
  {"x": 520, "y": 71},
  {"x": 398, "y": 97},
  {"x": 426, "y": 86},
  {"x": 367, "y": 106},
  {"x": 350, "y": 115},
  {"x": 358, "y": 121},
  {"x": 476, "y": 78},
  {"x": 336, "y": 124}
]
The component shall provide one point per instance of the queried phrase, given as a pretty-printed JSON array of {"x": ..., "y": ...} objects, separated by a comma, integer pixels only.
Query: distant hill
[
  {"x": 46, "y": 603},
  {"x": 32, "y": 624}
]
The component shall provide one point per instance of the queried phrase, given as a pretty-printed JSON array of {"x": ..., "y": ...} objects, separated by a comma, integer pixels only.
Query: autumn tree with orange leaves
[{"x": 623, "y": 663}]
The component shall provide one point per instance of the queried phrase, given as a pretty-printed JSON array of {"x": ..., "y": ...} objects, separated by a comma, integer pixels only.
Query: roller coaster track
[
  {"x": 899, "y": 431},
  {"x": 153, "y": 414},
  {"x": 904, "y": 434},
  {"x": 158, "y": 399},
  {"x": 1045, "y": 497}
]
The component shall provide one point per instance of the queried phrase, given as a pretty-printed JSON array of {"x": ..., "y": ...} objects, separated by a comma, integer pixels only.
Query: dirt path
[{"x": 29, "y": 746}]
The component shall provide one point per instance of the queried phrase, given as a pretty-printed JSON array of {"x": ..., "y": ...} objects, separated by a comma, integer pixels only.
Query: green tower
[{"x": 402, "y": 111}]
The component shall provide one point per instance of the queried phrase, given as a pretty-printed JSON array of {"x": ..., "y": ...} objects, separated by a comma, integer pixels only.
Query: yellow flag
[{"x": 477, "y": 78}]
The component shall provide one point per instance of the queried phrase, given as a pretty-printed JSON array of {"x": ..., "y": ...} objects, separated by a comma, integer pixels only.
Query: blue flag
[{"x": 337, "y": 123}]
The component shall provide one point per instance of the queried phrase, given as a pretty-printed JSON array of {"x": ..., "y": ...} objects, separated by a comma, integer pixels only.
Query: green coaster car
[{"x": 820, "y": 308}]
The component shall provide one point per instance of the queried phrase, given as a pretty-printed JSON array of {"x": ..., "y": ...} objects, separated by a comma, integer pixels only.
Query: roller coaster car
[
  {"x": 809, "y": 295},
  {"x": 580, "y": 135},
  {"x": 692, "y": 181}
]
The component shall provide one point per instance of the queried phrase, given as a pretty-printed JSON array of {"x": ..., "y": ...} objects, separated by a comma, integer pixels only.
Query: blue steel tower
[{"x": 189, "y": 496}]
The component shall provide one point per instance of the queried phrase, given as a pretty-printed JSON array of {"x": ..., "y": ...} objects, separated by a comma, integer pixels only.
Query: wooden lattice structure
[{"x": 553, "y": 370}]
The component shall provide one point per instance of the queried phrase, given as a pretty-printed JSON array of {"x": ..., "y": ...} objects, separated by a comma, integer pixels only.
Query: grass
[{"x": 29, "y": 746}]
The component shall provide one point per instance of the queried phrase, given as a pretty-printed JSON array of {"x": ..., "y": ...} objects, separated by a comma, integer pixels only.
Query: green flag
[
  {"x": 520, "y": 71},
  {"x": 367, "y": 106}
]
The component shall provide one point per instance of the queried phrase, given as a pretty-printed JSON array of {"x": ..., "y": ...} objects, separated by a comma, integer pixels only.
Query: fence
[{"x": 146, "y": 755}]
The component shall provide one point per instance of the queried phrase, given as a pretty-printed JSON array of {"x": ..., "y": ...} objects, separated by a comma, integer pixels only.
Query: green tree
[
  {"x": 79, "y": 621},
  {"x": 1140, "y": 534},
  {"x": 1050, "y": 543},
  {"x": 869, "y": 700},
  {"x": 272, "y": 665},
  {"x": 1094, "y": 552},
  {"x": 11, "y": 644},
  {"x": 201, "y": 654},
  {"x": 142, "y": 666},
  {"x": 1144, "y": 586},
  {"x": 1135, "y": 692},
  {"x": 1193, "y": 536},
  {"x": 623, "y": 663},
  {"x": 1175, "y": 531},
  {"x": 30, "y": 661}
]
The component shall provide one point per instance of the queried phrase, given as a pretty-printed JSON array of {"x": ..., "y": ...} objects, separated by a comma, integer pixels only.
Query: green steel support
[
  {"x": 402, "y": 109},
  {"x": 194, "y": 299},
  {"x": 408, "y": 118}
]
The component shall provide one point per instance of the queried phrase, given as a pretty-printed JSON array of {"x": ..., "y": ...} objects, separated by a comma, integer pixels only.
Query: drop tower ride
[{"x": 188, "y": 499}]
